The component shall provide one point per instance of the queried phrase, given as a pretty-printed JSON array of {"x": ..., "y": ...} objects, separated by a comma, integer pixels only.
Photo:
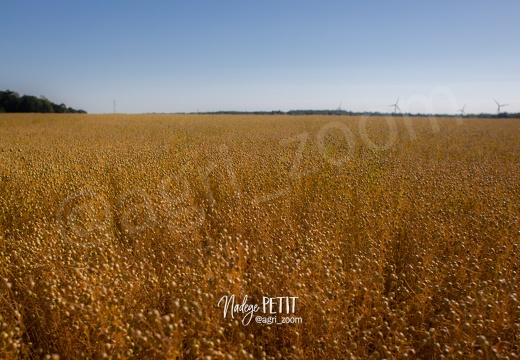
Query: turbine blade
[{"x": 497, "y": 102}]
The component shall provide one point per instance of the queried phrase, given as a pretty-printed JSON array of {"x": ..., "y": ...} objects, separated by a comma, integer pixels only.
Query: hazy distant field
[{"x": 120, "y": 234}]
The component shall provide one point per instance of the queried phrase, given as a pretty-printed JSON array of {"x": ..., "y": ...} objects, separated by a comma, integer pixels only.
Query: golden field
[{"x": 119, "y": 234}]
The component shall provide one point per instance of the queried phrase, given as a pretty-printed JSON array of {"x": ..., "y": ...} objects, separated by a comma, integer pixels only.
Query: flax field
[{"x": 397, "y": 237}]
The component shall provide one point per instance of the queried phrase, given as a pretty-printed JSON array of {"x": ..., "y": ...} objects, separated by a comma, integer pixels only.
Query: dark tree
[
  {"x": 60, "y": 109},
  {"x": 11, "y": 102}
]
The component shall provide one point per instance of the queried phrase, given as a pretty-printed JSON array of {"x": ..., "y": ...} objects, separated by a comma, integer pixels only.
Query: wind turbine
[
  {"x": 339, "y": 108},
  {"x": 462, "y": 112},
  {"x": 395, "y": 106},
  {"x": 499, "y": 106}
]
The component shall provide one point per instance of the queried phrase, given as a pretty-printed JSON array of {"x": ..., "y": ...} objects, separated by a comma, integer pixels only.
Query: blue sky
[{"x": 180, "y": 56}]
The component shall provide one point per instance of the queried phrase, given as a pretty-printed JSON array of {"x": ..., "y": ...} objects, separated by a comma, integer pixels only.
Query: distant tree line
[
  {"x": 12, "y": 102},
  {"x": 279, "y": 112},
  {"x": 345, "y": 112}
]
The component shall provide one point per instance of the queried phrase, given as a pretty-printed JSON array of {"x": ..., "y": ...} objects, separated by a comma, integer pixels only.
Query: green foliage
[{"x": 11, "y": 102}]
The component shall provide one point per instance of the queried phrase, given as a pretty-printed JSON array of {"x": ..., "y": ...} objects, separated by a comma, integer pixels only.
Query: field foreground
[{"x": 121, "y": 236}]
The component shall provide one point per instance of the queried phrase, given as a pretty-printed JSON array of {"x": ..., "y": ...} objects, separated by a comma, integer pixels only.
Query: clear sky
[{"x": 184, "y": 56}]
